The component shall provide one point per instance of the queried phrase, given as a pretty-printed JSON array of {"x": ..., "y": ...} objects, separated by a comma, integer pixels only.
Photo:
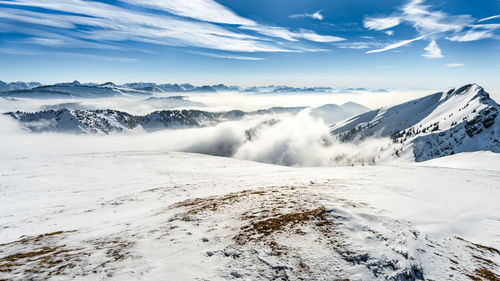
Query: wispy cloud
[
  {"x": 477, "y": 32},
  {"x": 205, "y": 10},
  {"x": 381, "y": 23},
  {"x": 489, "y": 18},
  {"x": 433, "y": 51},
  {"x": 454, "y": 65},
  {"x": 197, "y": 23},
  {"x": 358, "y": 45},
  {"x": 426, "y": 21},
  {"x": 395, "y": 45},
  {"x": 316, "y": 15},
  {"x": 313, "y": 36},
  {"x": 433, "y": 24},
  {"x": 111, "y": 23},
  {"x": 286, "y": 34},
  {"x": 228, "y": 56}
]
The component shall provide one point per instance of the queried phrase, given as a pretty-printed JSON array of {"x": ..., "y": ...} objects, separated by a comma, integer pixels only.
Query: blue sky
[{"x": 357, "y": 43}]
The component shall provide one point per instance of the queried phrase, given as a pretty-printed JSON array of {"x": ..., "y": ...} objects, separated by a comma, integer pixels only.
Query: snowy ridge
[
  {"x": 4, "y": 87},
  {"x": 110, "y": 121},
  {"x": 77, "y": 89},
  {"x": 459, "y": 120},
  {"x": 75, "y": 120}
]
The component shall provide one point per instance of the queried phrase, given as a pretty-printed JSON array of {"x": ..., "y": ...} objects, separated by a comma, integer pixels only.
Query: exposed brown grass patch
[
  {"x": 198, "y": 205},
  {"x": 485, "y": 265},
  {"x": 45, "y": 255},
  {"x": 484, "y": 260},
  {"x": 259, "y": 230},
  {"x": 474, "y": 278},
  {"x": 34, "y": 239},
  {"x": 476, "y": 246},
  {"x": 487, "y": 274}
]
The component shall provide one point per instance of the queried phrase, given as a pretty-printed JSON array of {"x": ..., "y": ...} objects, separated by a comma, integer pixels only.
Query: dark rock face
[{"x": 484, "y": 119}]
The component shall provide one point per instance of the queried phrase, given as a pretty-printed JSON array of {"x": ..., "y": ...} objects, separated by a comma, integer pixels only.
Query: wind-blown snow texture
[
  {"x": 459, "y": 120},
  {"x": 176, "y": 216}
]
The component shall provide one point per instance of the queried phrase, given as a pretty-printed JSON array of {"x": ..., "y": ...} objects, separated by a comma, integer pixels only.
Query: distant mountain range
[
  {"x": 74, "y": 120},
  {"x": 76, "y": 89},
  {"x": 444, "y": 123},
  {"x": 13, "y": 86}
]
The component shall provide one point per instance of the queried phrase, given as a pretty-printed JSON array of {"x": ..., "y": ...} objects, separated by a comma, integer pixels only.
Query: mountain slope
[
  {"x": 459, "y": 120},
  {"x": 74, "y": 118},
  {"x": 110, "y": 121}
]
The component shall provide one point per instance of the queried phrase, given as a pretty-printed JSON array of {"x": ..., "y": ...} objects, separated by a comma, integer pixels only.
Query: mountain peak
[
  {"x": 108, "y": 84},
  {"x": 468, "y": 89}
]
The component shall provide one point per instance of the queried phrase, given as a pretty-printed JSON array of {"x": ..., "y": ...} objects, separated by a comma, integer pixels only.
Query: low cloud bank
[{"x": 291, "y": 140}]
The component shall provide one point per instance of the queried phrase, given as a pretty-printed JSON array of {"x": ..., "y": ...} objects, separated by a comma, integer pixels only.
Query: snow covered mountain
[
  {"x": 71, "y": 90},
  {"x": 331, "y": 113},
  {"x": 72, "y": 118},
  {"x": 12, "y": 86},
  {"x": 77, "y": 90},
  {"x": 444, "y": 123},
  {"x": 109, "y": 121}
]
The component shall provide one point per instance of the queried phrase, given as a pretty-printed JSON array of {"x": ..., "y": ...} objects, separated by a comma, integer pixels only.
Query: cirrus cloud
[
  {"x": 316, "y": 16},
  {"x": 202, "y": 24},
  {"x": 432, "y": 24}
]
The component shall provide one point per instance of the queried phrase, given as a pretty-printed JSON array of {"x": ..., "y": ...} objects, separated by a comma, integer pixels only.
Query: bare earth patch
[{"x": 52, "y": 254}]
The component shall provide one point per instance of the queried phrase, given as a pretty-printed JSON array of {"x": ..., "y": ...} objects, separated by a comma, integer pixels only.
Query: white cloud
[
  {"x": 454, "y": 65},
  {"x": 471, "y": 36},
  {"x": 395, "y": 45},
  {"x": 111, "y": 23},
  {"x": 389, "y": 32},
  {"x": 316, "y": 15},
  {"x": 205, "y": 10},
  {"x": 228, "y": 56},
  {"x": 477, "y": 32},
  {"x": 106, "y": 23},
  {"x": 312, "y": 36},
  {"x": 433, "y": 51},
  {"x": 381, "y": 23},
  {"x": 428, "y": 22},
  {"x": 286, "y": 34},
  {"x": 357, "y": 45},
  {"x": 273, "y": 31},
  {"x": 489, "y": 18}
]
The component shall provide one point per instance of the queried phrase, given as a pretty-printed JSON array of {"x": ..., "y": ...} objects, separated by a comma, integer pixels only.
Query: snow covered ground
[{"x": 156, "y": 215}]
